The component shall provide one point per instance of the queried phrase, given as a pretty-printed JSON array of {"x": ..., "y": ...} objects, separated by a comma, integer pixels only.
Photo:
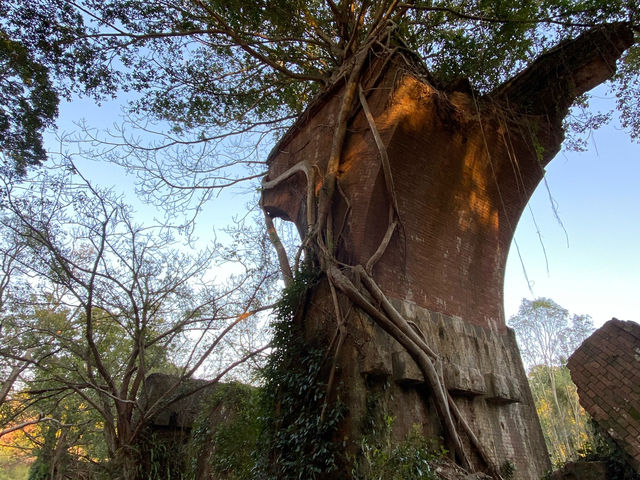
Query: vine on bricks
[{"x": 295, "y": 441}]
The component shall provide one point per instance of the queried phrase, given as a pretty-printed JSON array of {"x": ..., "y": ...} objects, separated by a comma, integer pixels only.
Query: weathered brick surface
[
  {"x": 459, "y": 194},
  {"x": 481, "y": 368},
  {"x": 462, "y": 173},
  {"x": 606, "y": 370}
]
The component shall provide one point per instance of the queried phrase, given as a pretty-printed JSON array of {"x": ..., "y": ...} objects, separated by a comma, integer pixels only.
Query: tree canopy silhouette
[{"x": 214, "y": 68}]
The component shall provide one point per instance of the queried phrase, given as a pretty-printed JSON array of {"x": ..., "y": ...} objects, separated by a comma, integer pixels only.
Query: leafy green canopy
[
  {"x": 37, "y": 68},
  {"x": 225, "y": 61},
  {"x": 28, "y": 103},
  {"x": 230, "y": 65}
]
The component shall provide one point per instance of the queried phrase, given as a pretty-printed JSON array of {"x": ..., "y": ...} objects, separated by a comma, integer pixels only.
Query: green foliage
[
  {"x": 482, "y": 40},
  {"x": 63, "y": 453},
  {"x": 219, "y": 444},
  {"x": 219, "y": 67},
  {"x": 413, "y": 458},
  {"x": 376, "y": 423},
  {"x": 160, "y": 459},
  {"x": 508, "y": 470},
  {"x": 564, "y": 423},
  {"x": 38, "y": 68},
  {"x": 226, "y": 432},
  {"x": 28, "y": 102},
  {"x": 602, "y": 448},
  {"x": 382, "y": 458},
  {"x": 296, "y": 440},
  {"x": 65, "y": 444},
  {"x": 627, "y": 90},
  {"x": 112, "y": 303},
  {"x": 12, "y": 470},
  {"x": 44, "y": 467}
]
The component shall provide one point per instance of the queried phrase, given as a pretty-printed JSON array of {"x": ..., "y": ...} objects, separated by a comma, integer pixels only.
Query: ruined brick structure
[
  {"x": 606, "y": 370},
  {"x": 168, "y": 446},
  {"x": 464, "y": 166},
  {"x": 161, "y": 444}
]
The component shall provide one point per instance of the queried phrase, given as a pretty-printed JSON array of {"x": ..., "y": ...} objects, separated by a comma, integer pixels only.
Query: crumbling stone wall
[
  {"x": 178, "y": 415},
  {"x": 164, "y": 440},
  {"x": 606, "y": 370},
  {"x": 481, "y": 366}
]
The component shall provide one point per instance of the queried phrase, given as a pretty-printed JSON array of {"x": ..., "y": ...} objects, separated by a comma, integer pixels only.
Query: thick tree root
[{"x": 399, "y": 333}]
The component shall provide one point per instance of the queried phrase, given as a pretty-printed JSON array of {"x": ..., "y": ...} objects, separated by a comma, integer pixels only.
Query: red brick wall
[
  {"x": 463, "y": 172},
  {"x": 606, "y": 370}
]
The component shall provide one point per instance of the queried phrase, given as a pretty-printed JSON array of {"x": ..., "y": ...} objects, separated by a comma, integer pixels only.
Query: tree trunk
[
  {"x": 431, "y": 183},
  {"x": 566, "y": 441},
  {"x": 127, "y": 464}
]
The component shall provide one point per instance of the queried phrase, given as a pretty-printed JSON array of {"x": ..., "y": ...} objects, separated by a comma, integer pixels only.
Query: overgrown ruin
[
  {"x": 409, "y": 213},
  {"x": 606, "y": 370}
]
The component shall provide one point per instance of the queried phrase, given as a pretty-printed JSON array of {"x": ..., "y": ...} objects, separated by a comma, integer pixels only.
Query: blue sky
[
  {"x": 593, "y": 269},
  {"x": 598, "y": 201}
]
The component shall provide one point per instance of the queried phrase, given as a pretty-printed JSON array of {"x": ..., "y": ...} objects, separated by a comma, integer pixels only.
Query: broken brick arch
[{"x": 460, "y": 168}]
